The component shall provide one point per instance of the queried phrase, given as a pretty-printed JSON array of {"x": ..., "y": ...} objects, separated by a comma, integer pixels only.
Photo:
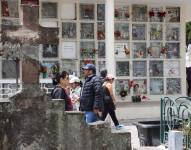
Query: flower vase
[
  {"x": 136, "y": 98},
  {"x": 44, "y": 75}
]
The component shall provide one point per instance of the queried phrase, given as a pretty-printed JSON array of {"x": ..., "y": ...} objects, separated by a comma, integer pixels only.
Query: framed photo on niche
[
  {"x": 173, "y": 86},
  {"x": 122, "y": 68},
  {"x": 49, "y": 10},
  {"x": 69, "y": 30},
  {"x": 138, "y": 31},
  {"x": 172, "y": 68},
  {"x": 87, "y": 30},
  {"x": 70, "y": 66},
  {"x": 139, "y": 86},
  {"x": 122, "y": 50},
  {"x": 101, "y": 49},
  {"x": 101, "y": 31},
  {"x": 49, "y": 50},
  {"x": 49, "y": 68},
  {"x": 172, "y": 32},
  {"x": 139, "y": 13},
  {"x": 173, "y": 51},
  {"x": 100, "y": 12},
  {"x": 48, "y": 35},
  {"x": 155, "y": 14},
  {"x": 122, "y": 87},
  {"x": 10, "y": 8},
  {"x": 172, "y": 14},
  {"x": 156, "y": 86},
  {"x": 156, "y": 68},
  {"x": 156, "y": 32},
  {"x": 87, "y": 50},
  {"x": 121, "y": 31},
  {"x": 154, "y": 51},
  {"x": 101, "y": 65},
  {"x": 139, "y": 68},
  {"x": 87, "y": 11},
  {"x": 139, "y": 50},
  {"x": 122, "y": 12}
]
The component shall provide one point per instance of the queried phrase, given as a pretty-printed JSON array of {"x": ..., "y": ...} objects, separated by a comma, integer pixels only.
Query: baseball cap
[
  {"x": 74, "y": 80},
  {"x": 89, "y": 67}
]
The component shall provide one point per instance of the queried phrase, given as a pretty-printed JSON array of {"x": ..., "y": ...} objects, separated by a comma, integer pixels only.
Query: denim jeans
[{"x": 90, "y": 116}]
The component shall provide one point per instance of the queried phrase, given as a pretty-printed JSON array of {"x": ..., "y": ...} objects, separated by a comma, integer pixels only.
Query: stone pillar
[
  {"x": 5, "y": 125},
  {"x": 76, "y": 133},
  {"x": 94, "y": 136},
  {"x": 55, "y": 125},
  {"x": 109, "y": 38},
  {"x": 175, "y": 140}
]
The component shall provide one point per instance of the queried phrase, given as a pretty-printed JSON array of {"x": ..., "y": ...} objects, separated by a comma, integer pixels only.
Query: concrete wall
[
  {"x": 35, "y": 122},
  {"x": 144, "y": 110}
]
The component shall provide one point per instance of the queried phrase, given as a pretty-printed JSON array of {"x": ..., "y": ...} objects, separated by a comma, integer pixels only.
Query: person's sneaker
[{"x": 119, "y": 127}]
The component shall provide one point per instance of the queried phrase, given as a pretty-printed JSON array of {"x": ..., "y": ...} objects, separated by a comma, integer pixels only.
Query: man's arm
[{"x": 98, "y": 90}]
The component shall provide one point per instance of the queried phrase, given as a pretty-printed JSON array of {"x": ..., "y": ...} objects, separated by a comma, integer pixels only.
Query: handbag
[{"x": 107, "y": 99}]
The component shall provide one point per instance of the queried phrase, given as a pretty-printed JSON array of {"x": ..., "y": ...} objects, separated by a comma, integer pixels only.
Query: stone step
[
  {"x": 135, "y": 142},
  {"x": 161, "y": 147}
]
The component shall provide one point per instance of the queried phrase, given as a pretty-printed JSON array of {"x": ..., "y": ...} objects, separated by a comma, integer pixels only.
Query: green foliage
[{"x": 188, "y": 33}]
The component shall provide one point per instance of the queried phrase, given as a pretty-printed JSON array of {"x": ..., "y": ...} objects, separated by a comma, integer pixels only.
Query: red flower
[
  {"x": 43, "y": 69},
  {"x": 149, "y": 50},
  {"x": 94, "y": 50},
  {"x": 117, "y": 34},
  {"x": 151, "y": 13},
  {"x": 82, "y": 50},
  {"x": 127, "y": 15},
  {"x": 161, "y": 14},
  {"x": 164, "y": 50},
  {"x": 87, "y": 61},
  {"x": 116, "y": 13},
  {"x": 132, "y": 84},
  {"x": 101, "y": 35}
]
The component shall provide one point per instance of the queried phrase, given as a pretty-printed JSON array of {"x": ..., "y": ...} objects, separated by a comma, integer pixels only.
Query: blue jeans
[{"x": 90, "y": 116}]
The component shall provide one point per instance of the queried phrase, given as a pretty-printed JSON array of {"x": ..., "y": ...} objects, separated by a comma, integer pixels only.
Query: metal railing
[
  {"x": 176, "y": 115},
  {"x": 8, "y": 87}
]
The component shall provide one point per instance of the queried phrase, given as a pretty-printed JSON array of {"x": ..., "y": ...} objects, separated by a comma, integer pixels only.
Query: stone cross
[{"x": 30, "y": 71}]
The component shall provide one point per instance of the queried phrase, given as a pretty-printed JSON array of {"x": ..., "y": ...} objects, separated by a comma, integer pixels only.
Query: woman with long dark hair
[{"x": 61, "y": 82}]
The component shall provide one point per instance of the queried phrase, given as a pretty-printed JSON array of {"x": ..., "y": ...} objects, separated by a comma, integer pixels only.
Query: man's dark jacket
[{"x": 91, "y": 94}]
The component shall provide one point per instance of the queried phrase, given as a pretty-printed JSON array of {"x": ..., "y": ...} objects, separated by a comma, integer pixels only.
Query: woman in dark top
[
  {"x": 109, "y": 101},
  {"x": 61, "y": 82}
]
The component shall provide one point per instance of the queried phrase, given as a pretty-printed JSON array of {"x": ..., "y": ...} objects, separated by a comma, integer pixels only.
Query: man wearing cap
[{"x": 91, "y": 99}]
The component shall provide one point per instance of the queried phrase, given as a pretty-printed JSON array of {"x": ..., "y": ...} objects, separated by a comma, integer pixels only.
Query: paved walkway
[{"x": 135, "y": 142}]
